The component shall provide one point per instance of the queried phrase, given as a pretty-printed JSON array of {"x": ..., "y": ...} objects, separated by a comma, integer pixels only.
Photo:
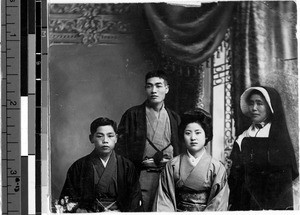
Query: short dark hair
[
  {"x": 157, "y": 73},
  {"x": 199, "y": 116},
  {"x": 102, "y": 121}
]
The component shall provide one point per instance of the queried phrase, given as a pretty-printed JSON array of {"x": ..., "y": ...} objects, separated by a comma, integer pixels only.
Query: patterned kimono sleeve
[
  {"x": 165, "y": 197},
  {"x": 219, "y": 195}
]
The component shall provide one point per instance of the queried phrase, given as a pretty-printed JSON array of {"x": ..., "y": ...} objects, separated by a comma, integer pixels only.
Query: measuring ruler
[
  {"x": 22, "y": 58},
  {"x": 11, "y": 110}
]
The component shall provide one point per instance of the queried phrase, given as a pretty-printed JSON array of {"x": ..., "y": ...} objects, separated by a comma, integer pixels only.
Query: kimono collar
[
  {"x": 194, "y": 161},
  {"x": 95, "y": 155},
  {"x": 105, "y": 162},
  {"x": 149, "y": 106}
]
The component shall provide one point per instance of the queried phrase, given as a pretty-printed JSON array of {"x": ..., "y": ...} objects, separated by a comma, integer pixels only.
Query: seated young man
[{"x": 103, "y": 180}]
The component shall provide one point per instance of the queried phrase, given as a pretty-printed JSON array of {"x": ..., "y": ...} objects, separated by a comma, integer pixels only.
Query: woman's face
[
  {"x": 258, "y": 108},
  {"x": 194, "y": 137}
]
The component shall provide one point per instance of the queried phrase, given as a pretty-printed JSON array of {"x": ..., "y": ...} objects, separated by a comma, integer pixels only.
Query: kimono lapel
[
  {"x": 109, "y": 173},
  {"x": 97, "y": 166},
  {"x": 152, "y": 120},
  {"x": 198, "y": 175},
  {"x": 159, "y": 128},
  {"x": 185, "y": 167},
  {"x": 103, "y": 175}
]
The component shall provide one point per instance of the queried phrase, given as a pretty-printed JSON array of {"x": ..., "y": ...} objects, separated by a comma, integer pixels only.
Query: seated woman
[
  {"x": 263, "y": 159},
  {"x": 193, "y": 181}
]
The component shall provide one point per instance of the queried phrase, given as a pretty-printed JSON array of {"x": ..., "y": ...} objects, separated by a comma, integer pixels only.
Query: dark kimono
[
  {"x": 183, "y": 187},
  {"x": 132, "y": 145},
  {"x": 132, "y": 133},
  {"x": 89, "y": 183},
  {"x": 263, "y": 168}
]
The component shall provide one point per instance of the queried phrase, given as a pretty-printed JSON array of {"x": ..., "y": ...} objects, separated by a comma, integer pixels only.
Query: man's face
[
  {"x": 156, "y": 89},
  {"x": 258, "y": 108},
  {"x": 104, "y": 140}
]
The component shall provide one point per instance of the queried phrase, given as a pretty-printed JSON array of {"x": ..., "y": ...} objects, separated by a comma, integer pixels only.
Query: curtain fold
[
  {"x": 264, "y": 48},
  {"x": 264, "y": 52},
  {"x": 189, "y": 34}
]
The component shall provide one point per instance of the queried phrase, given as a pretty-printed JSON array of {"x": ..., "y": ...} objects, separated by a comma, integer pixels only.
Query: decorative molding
[
  {"x": 91, "y": 9},
  {"x": 92, "y": 24},
  {"x": 222, "y": 75}
]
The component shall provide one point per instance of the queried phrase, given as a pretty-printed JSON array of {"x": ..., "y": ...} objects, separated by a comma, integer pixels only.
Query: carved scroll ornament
[{"x": 90, "y": 24}]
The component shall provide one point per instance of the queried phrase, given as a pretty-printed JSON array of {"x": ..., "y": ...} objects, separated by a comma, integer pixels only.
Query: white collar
[
  {"x": 105, "y": 162},
  {"x": 194, "y": 161},
  {"x": 253, "y": 131}
]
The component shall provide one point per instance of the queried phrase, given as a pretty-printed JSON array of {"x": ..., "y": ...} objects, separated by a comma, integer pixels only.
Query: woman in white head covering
[{"x": 263, "y": 159}]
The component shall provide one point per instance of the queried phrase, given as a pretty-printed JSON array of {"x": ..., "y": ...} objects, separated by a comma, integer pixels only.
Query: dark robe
[
  {"x": 263, "y": 169},
  {"x": 132, "y": 133},
  {"x": 88, "y": 180}
]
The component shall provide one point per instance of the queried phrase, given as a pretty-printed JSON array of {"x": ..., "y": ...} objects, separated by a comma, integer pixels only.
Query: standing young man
[{"x": 148, "y": 135}]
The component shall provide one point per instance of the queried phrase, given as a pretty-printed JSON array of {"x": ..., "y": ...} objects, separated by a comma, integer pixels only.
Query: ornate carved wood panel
[{"x": 92, "y": 24}]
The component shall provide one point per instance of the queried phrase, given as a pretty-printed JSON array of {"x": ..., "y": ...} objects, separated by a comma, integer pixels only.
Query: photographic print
[{"x": 166, "y": 106}]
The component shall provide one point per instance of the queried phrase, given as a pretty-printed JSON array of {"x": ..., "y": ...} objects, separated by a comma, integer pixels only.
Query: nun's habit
[{"x": 263, "y": 160}]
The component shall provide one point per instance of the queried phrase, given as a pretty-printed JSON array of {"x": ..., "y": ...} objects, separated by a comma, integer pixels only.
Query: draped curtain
[
  {"x": 264, "y": 46},
  {"x": 188, "y": 37},
  {"x": 189, "y": 34},
  {"x": 264, "y": 52}
]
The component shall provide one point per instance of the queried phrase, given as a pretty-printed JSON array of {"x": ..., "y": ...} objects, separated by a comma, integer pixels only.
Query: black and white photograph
[{"x": 171, "y": 106}]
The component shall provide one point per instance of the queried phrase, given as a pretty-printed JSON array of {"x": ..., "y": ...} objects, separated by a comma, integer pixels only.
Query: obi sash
[
  {"x": 192, "y": 187},
  {"x": 191, "y": 200}
]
